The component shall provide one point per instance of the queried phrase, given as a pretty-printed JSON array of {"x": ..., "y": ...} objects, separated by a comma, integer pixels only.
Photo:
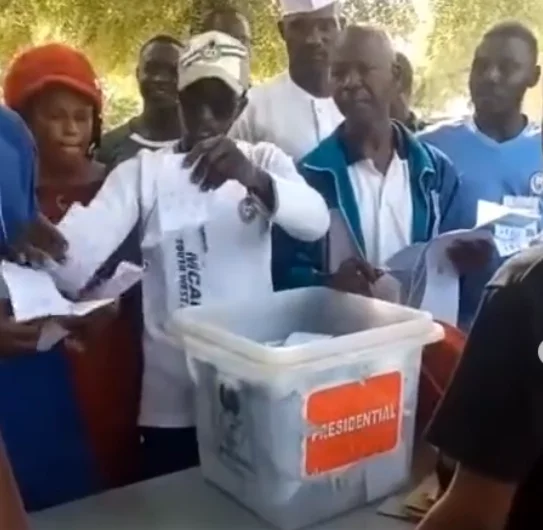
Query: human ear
[
  {"x": 242, "y": 103},
  {"x": 536, "y": 76}
]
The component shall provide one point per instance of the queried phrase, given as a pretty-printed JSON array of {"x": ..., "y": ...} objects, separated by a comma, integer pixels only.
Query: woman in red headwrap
[{"x": 56, "y": 90}]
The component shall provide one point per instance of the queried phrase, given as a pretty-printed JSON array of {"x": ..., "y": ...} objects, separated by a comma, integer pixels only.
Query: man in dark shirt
[
  {"x": 158, "y": 125},
  {"x": 491, "y": 419},
  {"x": 401, "y": 107}
]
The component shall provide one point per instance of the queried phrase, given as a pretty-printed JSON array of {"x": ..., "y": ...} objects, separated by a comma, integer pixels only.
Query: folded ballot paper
[
  {"x": 179, "y": 206},
  {"x": 514, "y": 228},
  {"x": 82, "y": 258},
  {"x": 34, "y": 295},
  {"x": 427, "y": 278},
  {"x": 180, "y": 203}
]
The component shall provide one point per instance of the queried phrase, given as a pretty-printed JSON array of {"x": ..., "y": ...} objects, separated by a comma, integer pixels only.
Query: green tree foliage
[
  {"x": 110, "y": 32},
  {"x": 398, "y": 16},
  {"x": 458, "y": 27}
]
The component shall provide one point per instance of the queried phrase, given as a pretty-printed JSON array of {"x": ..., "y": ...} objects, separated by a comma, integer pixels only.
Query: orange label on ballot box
[{"x": 352, "y": 421}]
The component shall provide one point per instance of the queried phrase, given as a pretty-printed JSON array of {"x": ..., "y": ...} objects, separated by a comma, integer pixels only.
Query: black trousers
[{"x": 166, "y": 451}]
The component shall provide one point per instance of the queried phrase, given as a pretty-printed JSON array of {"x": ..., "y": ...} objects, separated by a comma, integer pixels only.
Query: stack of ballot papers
[
  {"x": 298, "y": 338},
  {"x": 34, "y": 295},
  {"x": 514, "y": 229},
  {"x": 427, "y": 279}
]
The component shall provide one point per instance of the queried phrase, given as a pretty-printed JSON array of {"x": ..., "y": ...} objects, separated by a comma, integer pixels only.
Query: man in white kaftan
[
  {"x": 295, "y": 110},
  {"x": 205, "y": 211}
]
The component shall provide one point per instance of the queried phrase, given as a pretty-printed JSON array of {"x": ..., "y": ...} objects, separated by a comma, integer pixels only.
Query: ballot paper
[
  {"x": 387, "y": 288},
  {"x": 124, "y": 278},
  {"x": 429, "y": 280},
  {"x": 514, "y": 228},
  {"x": 51, "y": 333},
  {"x": 489, "y": 213},
  {"x": 526, "y": 204},
  {"x": 82, "y": 258},
  {"x": 406, "y": 267},
  {"x": 299, "y": 338},
  {"x": 126, "y": 275},
  {"x": 34, "y": 295},
  {"x": 442, "y": 282},
  {"x": 180, "y": 202}
]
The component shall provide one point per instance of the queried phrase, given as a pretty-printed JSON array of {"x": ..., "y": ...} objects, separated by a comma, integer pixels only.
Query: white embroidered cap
[
  {"x": 292, "y": 7},
  {"x": 215, "y": 55}
]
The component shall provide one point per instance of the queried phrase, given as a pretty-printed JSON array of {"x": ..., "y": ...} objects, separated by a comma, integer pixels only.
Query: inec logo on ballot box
[{"x": 536, "y": 183}]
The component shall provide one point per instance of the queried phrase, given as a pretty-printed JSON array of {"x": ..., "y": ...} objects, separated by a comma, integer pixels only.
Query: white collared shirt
[
  {"x": 152, "y": 144},
  {"x": 235, "y": 264},
  {"x": 385, "y": 206},
  {"x": 282, "y": 113}
]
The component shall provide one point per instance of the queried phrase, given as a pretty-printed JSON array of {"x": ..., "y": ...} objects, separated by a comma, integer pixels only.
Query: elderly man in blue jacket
[{"x": 385, "y": 189}]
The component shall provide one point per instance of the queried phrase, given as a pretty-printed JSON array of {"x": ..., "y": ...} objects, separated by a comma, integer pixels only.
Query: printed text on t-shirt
[{"x": 189, "y": 275}]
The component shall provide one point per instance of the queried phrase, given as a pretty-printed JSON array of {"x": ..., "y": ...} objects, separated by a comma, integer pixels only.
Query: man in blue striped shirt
[{"x": 497, "y": 151}]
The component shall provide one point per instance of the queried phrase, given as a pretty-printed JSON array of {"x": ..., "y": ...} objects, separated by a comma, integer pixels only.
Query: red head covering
[{"x": 52, "y": 63}]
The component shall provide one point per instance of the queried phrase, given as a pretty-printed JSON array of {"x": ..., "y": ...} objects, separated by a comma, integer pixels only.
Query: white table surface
[{"x": 180, "y": 501}]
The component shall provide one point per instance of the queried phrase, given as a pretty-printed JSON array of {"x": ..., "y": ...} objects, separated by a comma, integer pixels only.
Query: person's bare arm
[
  {"x": 12, "y": 514},
  {"x": 457, "y": 508},
  {"x": 490, "y": 420}
]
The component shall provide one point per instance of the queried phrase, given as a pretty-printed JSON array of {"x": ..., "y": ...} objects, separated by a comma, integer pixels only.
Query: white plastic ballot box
[{"x": 300, "y": 434}]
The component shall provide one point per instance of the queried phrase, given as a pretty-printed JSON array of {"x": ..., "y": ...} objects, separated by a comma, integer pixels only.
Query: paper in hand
[
  {"x": 180, "y": 203},
  {"x": 83, "y": 257},
  {"x": 428, "y": 279},
  {"x": 521, "y": 203},
  {"x": 125, "y": 277},
  {"x": 442, "y": 282},
  {"x": 490, "y": 213},
  {"x": 514, "y": 228},
  {"x": 387, "y": 288},
  {"x": 34, "y": 295},
  {"x": 406, "y": 267},
  {"x": 51, "y": 334}
]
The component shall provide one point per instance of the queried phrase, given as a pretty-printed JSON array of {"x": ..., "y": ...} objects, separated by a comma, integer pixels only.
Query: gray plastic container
[{"x": 301, "y": 434}]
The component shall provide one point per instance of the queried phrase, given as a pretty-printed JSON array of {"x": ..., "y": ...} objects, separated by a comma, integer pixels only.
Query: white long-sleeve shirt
[
  {"x": 237, "y": 259},
  {"x": 281, "y": 112}
]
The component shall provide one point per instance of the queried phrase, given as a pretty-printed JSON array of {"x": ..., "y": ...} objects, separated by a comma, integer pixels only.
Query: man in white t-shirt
[
  {"x": 294, "y": 110},
  {"x": 226, "y": 255}
]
